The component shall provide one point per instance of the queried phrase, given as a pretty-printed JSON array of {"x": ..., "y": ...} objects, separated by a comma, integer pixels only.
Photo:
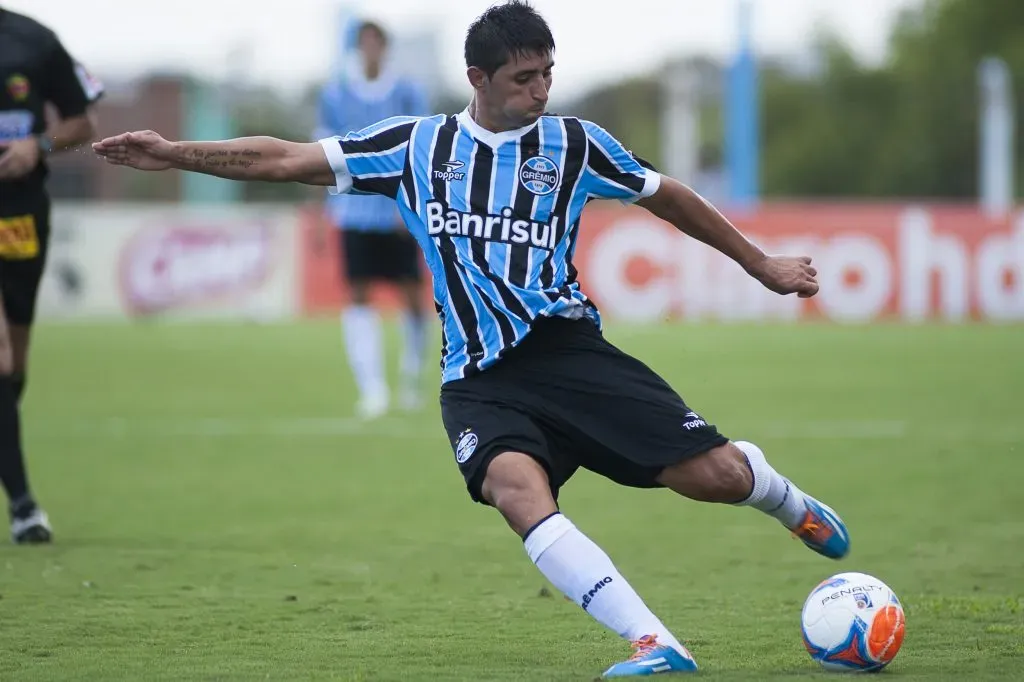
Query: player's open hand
[
  {"x": 787, "y": 275},
  {"x": 144, "y": 150}
]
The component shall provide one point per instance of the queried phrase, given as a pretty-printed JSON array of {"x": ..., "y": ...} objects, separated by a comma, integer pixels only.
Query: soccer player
[
  {"x": 531, "y": 391},
  {"x": 375, "y": 243},
  {"x": 35, "y": 69}
]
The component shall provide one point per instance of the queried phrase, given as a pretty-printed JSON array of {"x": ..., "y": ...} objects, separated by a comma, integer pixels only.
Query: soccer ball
[{"x": 853, "y": 622}]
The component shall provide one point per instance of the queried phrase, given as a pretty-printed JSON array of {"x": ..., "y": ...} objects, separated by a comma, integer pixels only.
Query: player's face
[
  {"x": 520, "y": 88},
  {"x": 372, "y": 47}
]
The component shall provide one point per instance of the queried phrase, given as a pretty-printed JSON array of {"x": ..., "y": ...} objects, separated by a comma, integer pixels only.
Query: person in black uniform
[{"x": 35, "y": 70}]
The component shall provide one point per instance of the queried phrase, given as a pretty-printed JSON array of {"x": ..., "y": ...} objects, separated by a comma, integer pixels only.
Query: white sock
[
  {"x": 360, "y": 327},
  {"x": 414, "y": 336},
  {"x": 585, "y": 574},
  {"x": 774, "y": 495}
]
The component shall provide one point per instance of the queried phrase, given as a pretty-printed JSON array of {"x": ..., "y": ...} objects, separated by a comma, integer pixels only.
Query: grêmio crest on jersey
[{"x": 540, "y": 175}]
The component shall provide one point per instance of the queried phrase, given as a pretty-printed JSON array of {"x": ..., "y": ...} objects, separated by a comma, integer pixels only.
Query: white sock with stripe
[
  {"x": 585, "y": 574},
  {"x": 774, "y": 495}
]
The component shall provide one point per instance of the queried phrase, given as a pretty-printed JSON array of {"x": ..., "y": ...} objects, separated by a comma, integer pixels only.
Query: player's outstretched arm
[
  {"x": 246, "y": 158},
  {"x": 689, "y": 212}
]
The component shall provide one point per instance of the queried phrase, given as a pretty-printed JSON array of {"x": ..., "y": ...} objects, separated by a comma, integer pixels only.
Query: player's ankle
[{"x": 772, "y": 494}]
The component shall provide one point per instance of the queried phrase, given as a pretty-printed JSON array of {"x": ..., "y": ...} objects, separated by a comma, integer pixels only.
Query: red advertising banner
[{"x": 910, "y": 262}]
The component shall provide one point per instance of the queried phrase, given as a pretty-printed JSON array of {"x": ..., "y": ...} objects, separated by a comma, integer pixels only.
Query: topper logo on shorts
[
  {"x": 466, "y": 446},
  {"x": 693, "y": 421},
  {"x": 539, "y": 174},
  {"x": 592, "y": 592}
]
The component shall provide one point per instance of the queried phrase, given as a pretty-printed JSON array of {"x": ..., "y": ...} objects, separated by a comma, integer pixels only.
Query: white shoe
[
  {"x": 410, "y": 399},
  {"x": 33, "y": 529},
  {"x": 373, "y": 405}
]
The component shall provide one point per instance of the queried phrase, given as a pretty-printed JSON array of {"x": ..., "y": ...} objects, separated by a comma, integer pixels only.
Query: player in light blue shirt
[
  {"x": 531, "y": 390},
  {"x": 373, "y": 242}
]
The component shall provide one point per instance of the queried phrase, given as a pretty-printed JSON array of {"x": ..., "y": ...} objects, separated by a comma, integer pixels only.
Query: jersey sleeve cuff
[
  {"x": 336, "y": 158},
  {"x": 652, "y": 181}
]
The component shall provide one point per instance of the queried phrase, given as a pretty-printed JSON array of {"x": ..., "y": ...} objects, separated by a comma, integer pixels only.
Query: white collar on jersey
[
  {"x": 369, "y": 90},
  {"x": 487, "y": 137}
]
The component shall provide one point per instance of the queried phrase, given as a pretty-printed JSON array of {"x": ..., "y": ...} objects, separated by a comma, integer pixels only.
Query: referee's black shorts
[
  {"x": 570, "y": 399},
  {"x": 24, "y": 239}
]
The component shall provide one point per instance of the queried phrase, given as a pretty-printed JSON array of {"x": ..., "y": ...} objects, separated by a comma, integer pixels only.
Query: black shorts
[
  {"x": 570, "y": 399},
  {"x": 24, "y": 240},
  {"x": 392, "y": 256}
]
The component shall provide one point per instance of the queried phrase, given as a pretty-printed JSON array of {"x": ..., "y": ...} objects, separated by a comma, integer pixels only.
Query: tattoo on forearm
[{"x": 220, "y": 158}]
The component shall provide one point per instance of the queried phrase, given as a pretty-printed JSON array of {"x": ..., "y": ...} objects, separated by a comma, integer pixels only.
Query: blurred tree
[
  {"x": 907, "y": 128},
  {"x": 821, "y": 135},
  {"x": 629, "y": 110}
]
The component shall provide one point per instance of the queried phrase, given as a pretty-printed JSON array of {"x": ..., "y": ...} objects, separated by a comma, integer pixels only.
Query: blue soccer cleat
[
  {"x": 823, "y": 531},
  {"x": 652, "y": 658}
]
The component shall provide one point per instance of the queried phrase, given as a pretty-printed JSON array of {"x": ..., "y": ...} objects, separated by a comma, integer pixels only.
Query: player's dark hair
[
  {"x": 504, "y": 32},
  {"x": 372, "y": 27}
]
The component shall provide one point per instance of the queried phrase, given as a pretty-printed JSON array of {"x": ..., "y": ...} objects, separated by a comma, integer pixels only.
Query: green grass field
[{"x": 219, "y": 516}]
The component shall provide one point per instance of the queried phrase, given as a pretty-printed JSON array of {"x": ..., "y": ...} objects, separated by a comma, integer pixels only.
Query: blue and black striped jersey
[{"x": 496, "y": 214}]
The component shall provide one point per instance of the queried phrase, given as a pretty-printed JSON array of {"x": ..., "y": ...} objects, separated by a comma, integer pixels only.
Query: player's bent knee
[
  {"x": 719, "y": 475},
  {"x": 517, "y": 486}
]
